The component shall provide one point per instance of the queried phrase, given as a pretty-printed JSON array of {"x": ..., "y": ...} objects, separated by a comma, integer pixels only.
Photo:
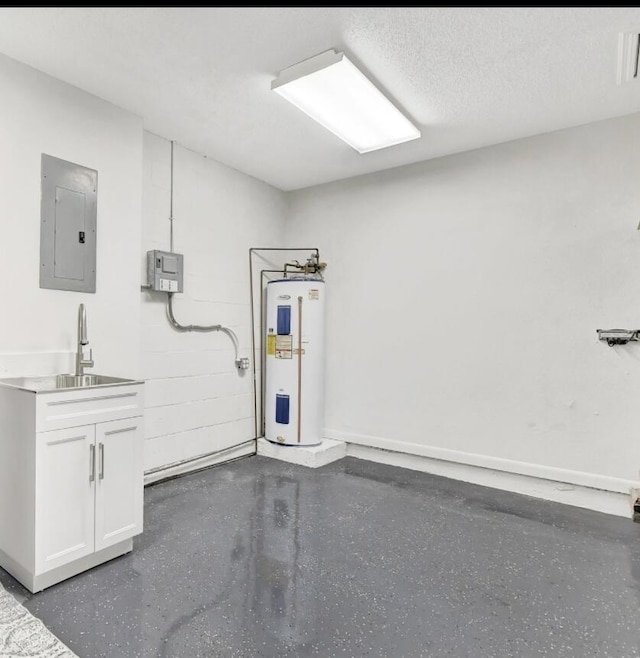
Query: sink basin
[
  {"x": 81, "y": 381},
  {"x": 64, "y": 382}
]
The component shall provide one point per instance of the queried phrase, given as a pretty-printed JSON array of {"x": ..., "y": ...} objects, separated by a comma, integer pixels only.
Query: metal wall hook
[{"x": 618, "y": 336}]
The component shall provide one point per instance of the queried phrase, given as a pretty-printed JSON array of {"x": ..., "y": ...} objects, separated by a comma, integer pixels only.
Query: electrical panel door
[{"x": 68, "y": 226}]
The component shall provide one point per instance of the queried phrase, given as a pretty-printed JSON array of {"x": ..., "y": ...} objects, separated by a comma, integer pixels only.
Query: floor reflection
[{"x": 262, "y": 588}]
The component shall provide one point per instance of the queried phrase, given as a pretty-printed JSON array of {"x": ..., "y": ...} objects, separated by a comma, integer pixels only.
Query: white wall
[
  {"x": 39, "y": 114},
  {"x": 197, "y": 402},
  {"x": 464, "y": 292},
  {"x": 464, "y": 296}
]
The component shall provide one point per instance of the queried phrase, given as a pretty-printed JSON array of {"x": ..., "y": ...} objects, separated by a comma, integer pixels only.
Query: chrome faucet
[{"x": 81, "y": 362}]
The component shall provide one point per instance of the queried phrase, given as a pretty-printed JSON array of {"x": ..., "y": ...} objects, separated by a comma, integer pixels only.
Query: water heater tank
[{"x": 294, "y": 372}]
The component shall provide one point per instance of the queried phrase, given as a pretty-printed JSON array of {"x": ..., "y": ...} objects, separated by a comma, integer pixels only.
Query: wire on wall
[
  {"x": 204, "y": 328},
  {"x": 241, "y": 363},
  {"x": 171, "y": 202}
]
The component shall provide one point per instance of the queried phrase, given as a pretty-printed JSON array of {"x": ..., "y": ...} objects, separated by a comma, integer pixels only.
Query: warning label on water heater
[
  {"x": 271, "y": 344},
  {"x": 284, "y": 347},
  {"x": 314, "y": 293}
]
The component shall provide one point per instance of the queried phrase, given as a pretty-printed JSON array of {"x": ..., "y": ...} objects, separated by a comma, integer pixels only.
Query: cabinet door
[
  {"x": 65, "y": 470},
  {"x": 119, "y": 481}
]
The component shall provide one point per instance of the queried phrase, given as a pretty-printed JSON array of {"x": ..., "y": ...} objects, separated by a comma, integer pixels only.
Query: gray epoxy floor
[{"x": 262, "y": 558}]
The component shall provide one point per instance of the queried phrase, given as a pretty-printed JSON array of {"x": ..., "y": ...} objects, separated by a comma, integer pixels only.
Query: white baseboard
[
  {"x": 198, "y": 463},
  {"x": 588, "y": 490}
]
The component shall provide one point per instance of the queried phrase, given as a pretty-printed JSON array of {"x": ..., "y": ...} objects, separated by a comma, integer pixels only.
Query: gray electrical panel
[
  {"x": 68, "y": 211},
  {"x": 164, "y": 271}
]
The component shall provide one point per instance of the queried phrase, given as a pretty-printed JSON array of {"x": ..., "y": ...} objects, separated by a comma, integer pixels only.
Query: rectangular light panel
[{"x": 331, "y": 90}]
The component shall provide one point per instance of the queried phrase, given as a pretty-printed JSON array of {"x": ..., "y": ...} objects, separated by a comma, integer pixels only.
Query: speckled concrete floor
[{"x": 262, "y": 558}]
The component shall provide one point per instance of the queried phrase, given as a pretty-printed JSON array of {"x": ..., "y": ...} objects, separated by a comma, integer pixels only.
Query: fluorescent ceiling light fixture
[{"x": 331, "y": 90}]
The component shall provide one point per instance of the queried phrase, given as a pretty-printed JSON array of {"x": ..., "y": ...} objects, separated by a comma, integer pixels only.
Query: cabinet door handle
[
  {"x": 101, "y": 448},
  {"x": 92, "y": 462}
]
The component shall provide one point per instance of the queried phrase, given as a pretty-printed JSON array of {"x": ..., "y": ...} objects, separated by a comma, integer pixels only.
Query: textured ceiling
[{"x": 468, "y": 77}]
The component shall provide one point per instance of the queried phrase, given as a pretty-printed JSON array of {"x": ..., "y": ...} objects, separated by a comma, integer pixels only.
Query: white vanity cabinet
[
  {"x": 71, "y": 479},
  {"x": 88, "y": 493}
]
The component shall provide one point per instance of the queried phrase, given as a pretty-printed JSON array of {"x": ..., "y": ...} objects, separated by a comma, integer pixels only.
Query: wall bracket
[{"x": 618, "y": 336}]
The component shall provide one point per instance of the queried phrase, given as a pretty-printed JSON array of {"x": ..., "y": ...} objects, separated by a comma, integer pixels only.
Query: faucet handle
[{"x": 88, "y": 362}]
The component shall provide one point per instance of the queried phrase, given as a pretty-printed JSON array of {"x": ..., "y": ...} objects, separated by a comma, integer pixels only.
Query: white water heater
[{"x": 294, "y": 372}]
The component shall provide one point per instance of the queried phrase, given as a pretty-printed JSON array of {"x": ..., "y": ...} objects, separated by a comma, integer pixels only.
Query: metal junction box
[{"x": 164, "y": 271}]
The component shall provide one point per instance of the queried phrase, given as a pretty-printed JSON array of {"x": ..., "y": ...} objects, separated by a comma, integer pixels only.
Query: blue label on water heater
[
  {"x": 284, "y": 320},
  {"x": 282, "y": 409}
]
